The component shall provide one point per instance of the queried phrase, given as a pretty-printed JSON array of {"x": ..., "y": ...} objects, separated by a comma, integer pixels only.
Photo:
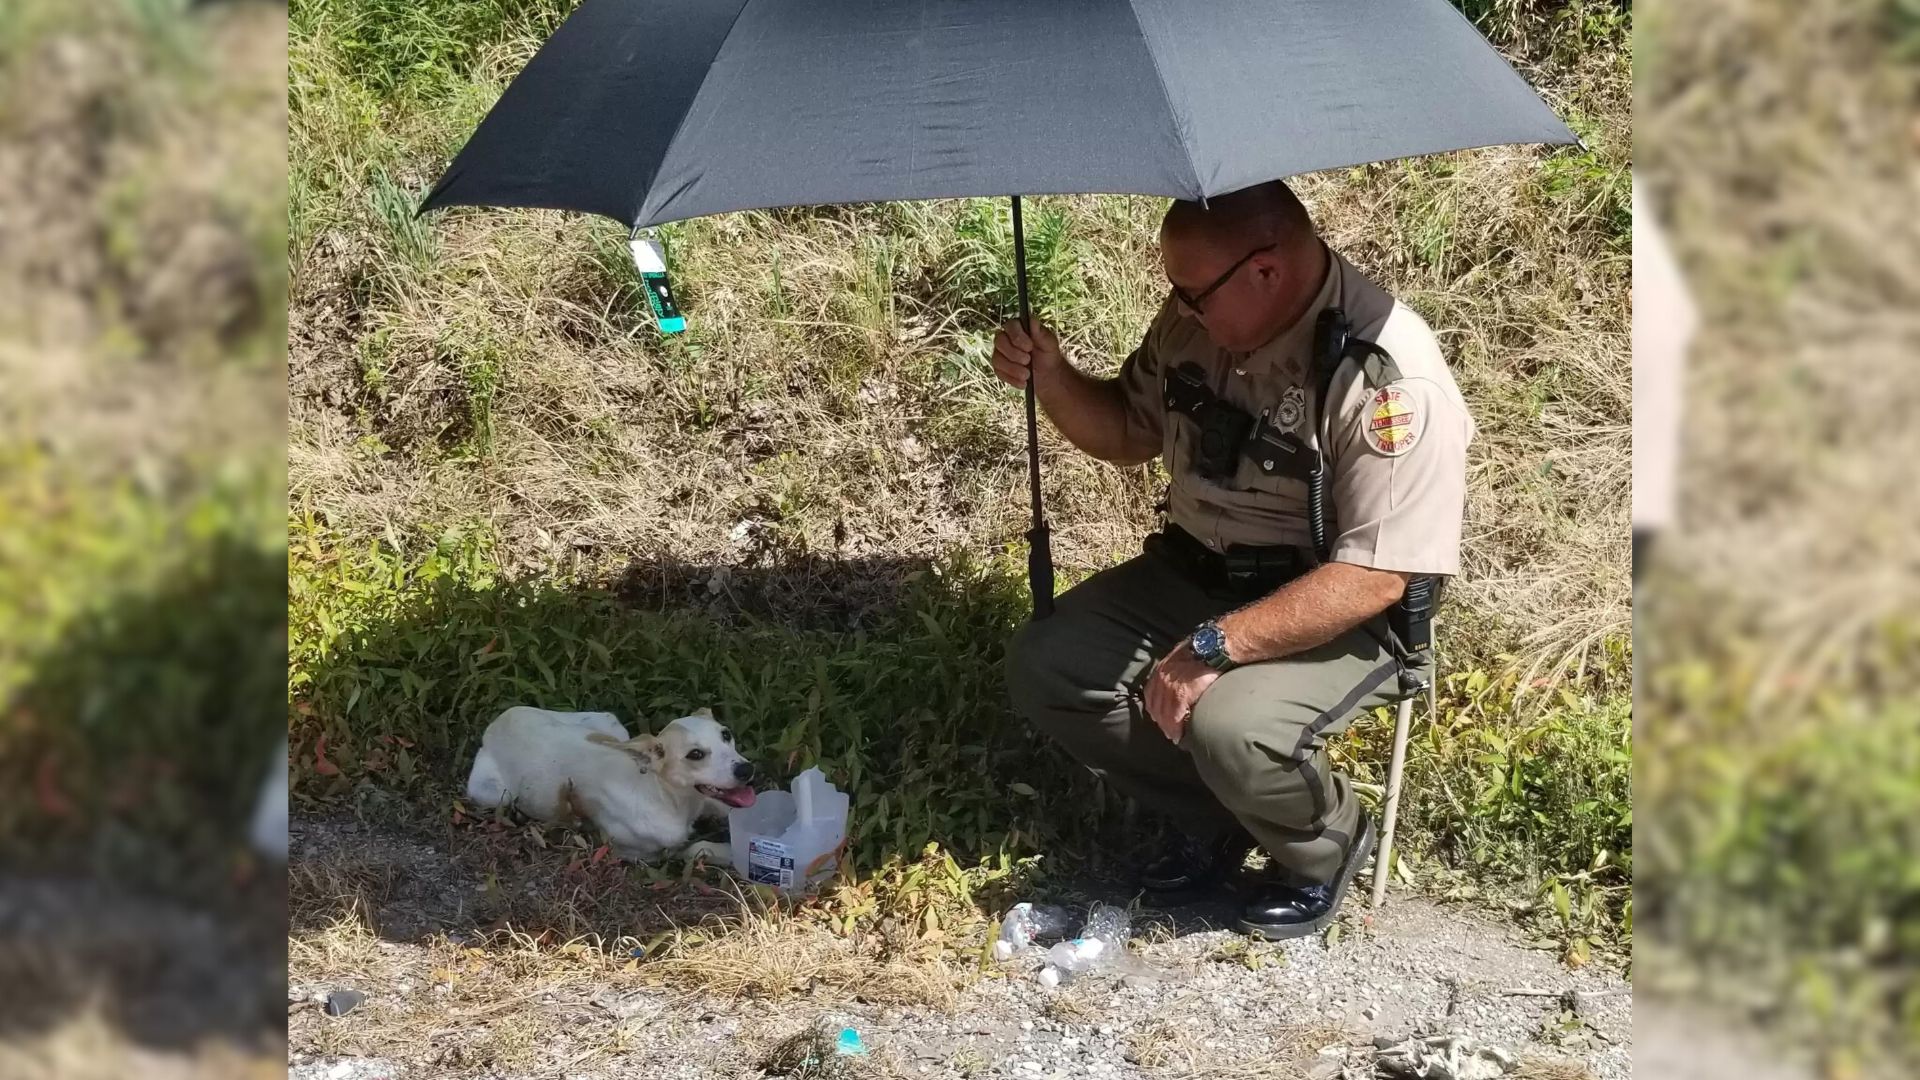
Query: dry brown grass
[
  {"x": 1789, "y": 189},
  {"x": 1542, "y": 1069},
  {"x": 774, "y": 958},
  {"x": 503, "y": 1007},
  {"x": 832, "y": 398},
  {"x": 89, "y": 1047},
  {"x": 1182, "y": 1051},
  {"x": 1778, "y": 141},
  {"x": 535, "y": 1005}
]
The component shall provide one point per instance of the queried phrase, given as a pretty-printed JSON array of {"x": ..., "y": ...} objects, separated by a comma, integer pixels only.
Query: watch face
[{"x": 1208, "y": 641}]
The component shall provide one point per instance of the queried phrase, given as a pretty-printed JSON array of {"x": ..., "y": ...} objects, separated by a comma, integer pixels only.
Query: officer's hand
[
  {"x": 1178, "y": 681},
  {"x": 1017, "y": 355}
]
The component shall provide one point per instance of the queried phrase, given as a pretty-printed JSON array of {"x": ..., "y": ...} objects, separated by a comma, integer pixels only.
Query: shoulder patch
[{"x": 1393, "y": 421}]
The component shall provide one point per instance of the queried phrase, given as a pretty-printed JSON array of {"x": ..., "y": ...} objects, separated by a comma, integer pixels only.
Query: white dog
[{"x": 647, "y": 793}]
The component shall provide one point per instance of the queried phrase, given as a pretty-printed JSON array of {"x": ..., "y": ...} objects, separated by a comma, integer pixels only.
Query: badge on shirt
[
  {"x": 1293, "y": 409},
  {"x": 1393, "y": 423}
]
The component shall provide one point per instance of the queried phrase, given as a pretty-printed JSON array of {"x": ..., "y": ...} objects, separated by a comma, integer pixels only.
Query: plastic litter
[
  {"x": 1025, "y": 925},
  {"x": 791, "y": 840},
  {"x": 1100, "y": 946},
  {"x": 849, "y": 1044}
]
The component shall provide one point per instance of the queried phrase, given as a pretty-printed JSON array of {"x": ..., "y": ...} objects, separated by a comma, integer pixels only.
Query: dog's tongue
[{"x": 739, "y": 797}]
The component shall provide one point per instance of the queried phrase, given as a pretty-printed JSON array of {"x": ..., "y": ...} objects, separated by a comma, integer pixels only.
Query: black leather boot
[{"x": 1281, "y": 911}]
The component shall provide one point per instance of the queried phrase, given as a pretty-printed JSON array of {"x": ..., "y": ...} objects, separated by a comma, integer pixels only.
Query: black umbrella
[{"x": 649, "y": 111}]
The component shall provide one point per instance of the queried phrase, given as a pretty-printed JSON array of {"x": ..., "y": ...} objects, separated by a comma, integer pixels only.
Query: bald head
[{"x": 1268, "y": 213}]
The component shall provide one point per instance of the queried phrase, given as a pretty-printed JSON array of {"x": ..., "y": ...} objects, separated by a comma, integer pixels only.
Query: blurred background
[
  {"x": 142, "y": 539},
  {"x": 1777, "y": 783}
]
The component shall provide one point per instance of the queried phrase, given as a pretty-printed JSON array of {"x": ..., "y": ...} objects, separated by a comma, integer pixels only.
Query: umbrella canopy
[{"x": 649, "y": 111}]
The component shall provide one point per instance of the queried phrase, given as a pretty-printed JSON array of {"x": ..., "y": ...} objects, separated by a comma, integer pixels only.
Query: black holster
[{"x": 1240, "y": 573}]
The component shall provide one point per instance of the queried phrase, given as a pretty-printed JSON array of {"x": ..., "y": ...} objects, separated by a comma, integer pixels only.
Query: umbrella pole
[{"x": 1040, "y": 539}]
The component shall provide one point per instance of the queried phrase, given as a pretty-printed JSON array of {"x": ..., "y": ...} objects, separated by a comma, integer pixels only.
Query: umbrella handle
[{"x": 1040, "y": 538}]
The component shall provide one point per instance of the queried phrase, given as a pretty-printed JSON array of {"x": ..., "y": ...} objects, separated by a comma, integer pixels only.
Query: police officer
[{"x": 1205, "y": 676}]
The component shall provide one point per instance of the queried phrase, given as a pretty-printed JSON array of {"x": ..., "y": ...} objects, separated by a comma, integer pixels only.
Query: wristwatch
[{"x": 1209, "y": 643}]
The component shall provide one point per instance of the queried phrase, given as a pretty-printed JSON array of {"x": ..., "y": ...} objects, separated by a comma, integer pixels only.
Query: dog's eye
[
  {"x": 726, "y": 736},
  {"x": 696, "y": 755}
]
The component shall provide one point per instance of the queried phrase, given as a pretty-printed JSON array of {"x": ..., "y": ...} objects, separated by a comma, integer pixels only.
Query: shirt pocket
[{"x": 1276, "y": 464}]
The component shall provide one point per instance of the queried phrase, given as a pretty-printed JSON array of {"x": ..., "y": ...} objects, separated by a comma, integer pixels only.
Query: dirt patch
[
  {"x": 86, "y": 965},
  {"x": 456, "y": 1003}
]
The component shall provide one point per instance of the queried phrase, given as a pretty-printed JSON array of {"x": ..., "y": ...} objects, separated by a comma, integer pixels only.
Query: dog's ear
[
  {"x": 644, "y": 749},
  {"x": 703, "y": 711}
]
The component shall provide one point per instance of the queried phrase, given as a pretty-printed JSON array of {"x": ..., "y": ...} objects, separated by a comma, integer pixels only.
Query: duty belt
[{"x": 1241, "y": 571}]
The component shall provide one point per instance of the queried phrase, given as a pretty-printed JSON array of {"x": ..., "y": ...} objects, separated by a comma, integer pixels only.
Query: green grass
[
  {"x": 1502, "y": 789},
  {"x": 1904, "y": 15},
  {"x": 398, "y": 664},
  {"x": 142, "y": 631},
  {"x": 408, "y": 49},
  {"x": 142, "y": 541},
  {"x": 1779, "y": 840}
]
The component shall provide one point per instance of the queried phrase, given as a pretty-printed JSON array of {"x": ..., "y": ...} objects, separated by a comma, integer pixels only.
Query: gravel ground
[{"x": 1223, "y": 1007}]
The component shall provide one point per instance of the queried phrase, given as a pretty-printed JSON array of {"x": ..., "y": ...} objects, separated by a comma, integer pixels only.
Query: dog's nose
[{"x": 743, "y": 772}]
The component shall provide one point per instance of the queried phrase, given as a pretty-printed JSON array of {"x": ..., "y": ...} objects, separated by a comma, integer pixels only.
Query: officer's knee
[{"x": 1216, "y": 732}]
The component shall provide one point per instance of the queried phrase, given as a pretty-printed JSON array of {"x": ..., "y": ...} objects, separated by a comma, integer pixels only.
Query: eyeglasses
[{"x": 1193, "y": 302}]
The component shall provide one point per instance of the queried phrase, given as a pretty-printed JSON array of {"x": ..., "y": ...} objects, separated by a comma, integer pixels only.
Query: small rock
[
  {"x": 342, "y": 1002},
  {"x": 1371, "y": 1012}
]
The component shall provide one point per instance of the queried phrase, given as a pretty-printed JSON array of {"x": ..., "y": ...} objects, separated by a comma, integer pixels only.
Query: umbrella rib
[
  {"x": 1166, "y": 95},
  {"x": 681, "y": 125}
]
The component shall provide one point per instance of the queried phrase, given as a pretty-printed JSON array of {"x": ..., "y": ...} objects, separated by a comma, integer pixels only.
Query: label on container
[
  {"x": 769, "y": 862},
  {"x": 652, "y": 264}
]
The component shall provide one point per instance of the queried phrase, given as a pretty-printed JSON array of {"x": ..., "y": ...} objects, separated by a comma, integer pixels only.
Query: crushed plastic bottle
[
  {"x": 1025, "y": 924},
  {"x": 1102, "y": 941}
]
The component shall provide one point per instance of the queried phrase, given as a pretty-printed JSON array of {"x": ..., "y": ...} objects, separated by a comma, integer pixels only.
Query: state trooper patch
[
  {"x": 1393, "y": 423},
  {"x": 1292, "y": 410}
]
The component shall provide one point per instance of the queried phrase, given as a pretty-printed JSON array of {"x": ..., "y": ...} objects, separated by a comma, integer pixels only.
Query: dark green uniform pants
[{"x": 1255, "y": 749}]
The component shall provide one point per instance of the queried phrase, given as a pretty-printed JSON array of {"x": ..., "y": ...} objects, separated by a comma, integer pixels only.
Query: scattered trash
[
  {"x": 650, "y": 259},
  {"x": 1027, "y": 924},
  {"x": 816, "y": 1053},
  {"x": 1101, "y": 945},
  {"x": 849, "y": 1044},
  {"x": 791, "y": 840},
  {"x": 1444, "y": 1057},
  {"x": 342, "y": 1002}
]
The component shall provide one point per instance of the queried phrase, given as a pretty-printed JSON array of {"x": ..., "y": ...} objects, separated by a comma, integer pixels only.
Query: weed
[{"x": 408, "y": 238}]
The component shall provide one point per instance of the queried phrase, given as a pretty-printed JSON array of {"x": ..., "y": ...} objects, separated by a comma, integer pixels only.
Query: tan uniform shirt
[{"x": 1397, "y": 454}]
